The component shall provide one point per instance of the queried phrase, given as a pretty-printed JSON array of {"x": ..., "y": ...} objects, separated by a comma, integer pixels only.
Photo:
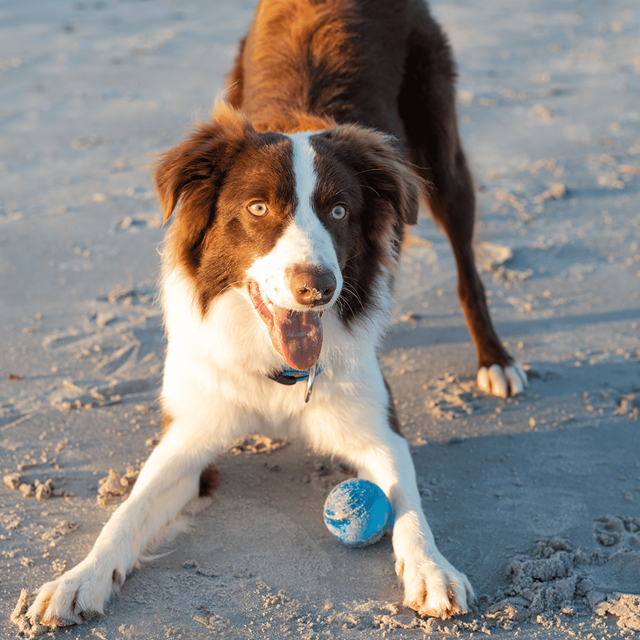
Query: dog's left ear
[{"x": 381, "y": 167}]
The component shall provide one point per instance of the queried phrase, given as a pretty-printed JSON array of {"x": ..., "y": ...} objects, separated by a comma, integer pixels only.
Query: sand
[{"x": 536, "y": 498}]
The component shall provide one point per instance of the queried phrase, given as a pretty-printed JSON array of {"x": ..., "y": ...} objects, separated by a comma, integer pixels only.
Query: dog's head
[{"x": 298, "y": 222}]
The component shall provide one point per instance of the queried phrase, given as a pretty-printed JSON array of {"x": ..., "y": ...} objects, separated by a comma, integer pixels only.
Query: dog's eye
[
  {"x": 339, "y": 212},
  {"x": 258, "y": 209}
]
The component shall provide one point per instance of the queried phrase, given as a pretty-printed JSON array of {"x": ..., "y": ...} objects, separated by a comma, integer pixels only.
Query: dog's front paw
[
  {"x": 75, "y": 597},
  {"x": 506, "y": 381},
  {"x": 434, "y": 588}
]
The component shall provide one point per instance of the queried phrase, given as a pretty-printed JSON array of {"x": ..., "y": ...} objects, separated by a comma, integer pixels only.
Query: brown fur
[
  {"x": 207, "y": 174},
  {"x": 386, "y": 65},
  {"x": 167, "y": 420},
  {"x": 394, "y": 422},
  {"x": 209, "y": 480},
  {"x": 382, "y": 196},
  {"x": 215, "y": 240}
]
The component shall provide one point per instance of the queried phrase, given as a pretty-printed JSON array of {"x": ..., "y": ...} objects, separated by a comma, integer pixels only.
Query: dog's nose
[{"x": 312, "y": 286}]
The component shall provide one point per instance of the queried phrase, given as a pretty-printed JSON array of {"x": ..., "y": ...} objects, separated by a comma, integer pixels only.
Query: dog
[{"x": 289, "y": 208}]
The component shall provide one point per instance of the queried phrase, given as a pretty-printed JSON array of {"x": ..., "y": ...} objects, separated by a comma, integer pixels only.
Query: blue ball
[{"x": 357, "y": 512}]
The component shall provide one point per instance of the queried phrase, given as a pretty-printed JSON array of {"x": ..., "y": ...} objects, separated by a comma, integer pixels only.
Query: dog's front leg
[
  {"x": 359, "y": 430},
  {"x": 432, "y": 585},
  {"x": 167, "y": 482}
]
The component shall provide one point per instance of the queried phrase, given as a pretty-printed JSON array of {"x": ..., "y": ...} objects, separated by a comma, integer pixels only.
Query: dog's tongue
[{"x": 297, "y": 336}]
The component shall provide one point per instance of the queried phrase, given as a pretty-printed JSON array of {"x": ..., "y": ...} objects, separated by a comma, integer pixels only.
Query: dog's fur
[{"x": 291, "y": 206}]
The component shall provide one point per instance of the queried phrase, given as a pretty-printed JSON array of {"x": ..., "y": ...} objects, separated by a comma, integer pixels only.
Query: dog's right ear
[{"x": 192, "y": 172}]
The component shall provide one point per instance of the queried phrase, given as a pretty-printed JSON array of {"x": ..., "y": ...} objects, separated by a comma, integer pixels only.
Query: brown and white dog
[{"x": 282, "y": 254}]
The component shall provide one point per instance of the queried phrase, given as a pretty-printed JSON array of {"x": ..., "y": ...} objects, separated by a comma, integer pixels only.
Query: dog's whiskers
[
  {"x": 349, "y": 289},
  {"x": 349, "y": 258},
  {"x": 352, "y": 289}
]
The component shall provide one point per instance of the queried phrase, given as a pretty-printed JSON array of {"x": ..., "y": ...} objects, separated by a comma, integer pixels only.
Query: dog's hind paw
[
  {"x": 435, "y": 588},
  {"x": 503, "y": 381}
]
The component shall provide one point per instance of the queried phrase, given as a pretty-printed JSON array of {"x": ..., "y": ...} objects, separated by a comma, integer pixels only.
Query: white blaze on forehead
[
  {"x": 311, "y": 235},
  {"x": 305, "y": 241}
]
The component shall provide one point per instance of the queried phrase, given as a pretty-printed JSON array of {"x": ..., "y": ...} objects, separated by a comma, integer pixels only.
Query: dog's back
[{"x": 340, "y": 59}]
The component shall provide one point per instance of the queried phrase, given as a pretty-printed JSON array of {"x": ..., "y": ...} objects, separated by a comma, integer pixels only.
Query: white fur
[
  {"x": 305, "y": 241},
  {"x": 215, "y": 390},
  {"x": 503, "y": 382}
]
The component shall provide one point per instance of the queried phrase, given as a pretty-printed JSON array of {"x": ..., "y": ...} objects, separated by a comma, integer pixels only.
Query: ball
[{"x": 357, "y": 512}]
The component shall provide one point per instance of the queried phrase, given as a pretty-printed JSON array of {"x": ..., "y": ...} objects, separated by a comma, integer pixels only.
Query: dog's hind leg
[{"x": 427, "y": 107}]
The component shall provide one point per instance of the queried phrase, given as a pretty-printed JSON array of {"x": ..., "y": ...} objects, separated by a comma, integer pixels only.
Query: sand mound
[
  {"x": 26, "y": 628},
  {"x": 552, "y": 580},
  {"x": 556, "y": 581},
  {"x": 116, "y": 486},
  {"x": 257, "y": 444},
  {"x": 625, "y": 607}
]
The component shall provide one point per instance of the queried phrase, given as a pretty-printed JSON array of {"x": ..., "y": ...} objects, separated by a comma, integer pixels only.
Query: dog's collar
[{"x": 291, "y": 376}]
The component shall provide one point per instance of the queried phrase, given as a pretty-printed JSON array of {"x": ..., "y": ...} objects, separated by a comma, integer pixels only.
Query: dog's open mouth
[{"x": 296, "y": 335}]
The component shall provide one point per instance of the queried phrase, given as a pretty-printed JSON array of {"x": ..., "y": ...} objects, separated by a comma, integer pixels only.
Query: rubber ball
[{"x": 357, "y": 512}]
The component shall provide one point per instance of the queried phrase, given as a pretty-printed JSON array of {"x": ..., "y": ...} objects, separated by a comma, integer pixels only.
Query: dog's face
[{"x": 298, "y": 222}]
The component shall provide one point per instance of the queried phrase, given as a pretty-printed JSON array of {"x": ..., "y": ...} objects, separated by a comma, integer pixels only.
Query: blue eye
[
  {"x": 258, "y": 209},
  {"x": 339, "y": 212}
]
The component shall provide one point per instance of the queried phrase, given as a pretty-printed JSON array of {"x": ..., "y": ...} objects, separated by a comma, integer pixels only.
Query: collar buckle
[
  {"x": 310, "y": 380},
  {"x": 289, "y": 377}
]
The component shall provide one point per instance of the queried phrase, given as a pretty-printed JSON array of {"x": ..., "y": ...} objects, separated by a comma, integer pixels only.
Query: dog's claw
[{"x": 503, "y": 382}]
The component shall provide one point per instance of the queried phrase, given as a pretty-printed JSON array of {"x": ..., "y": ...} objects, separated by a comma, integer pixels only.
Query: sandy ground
[{"x": 535, "y": 498}]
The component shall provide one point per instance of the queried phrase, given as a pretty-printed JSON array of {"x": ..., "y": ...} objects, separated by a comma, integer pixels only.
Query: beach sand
[{"x": 536, "y": 498}]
